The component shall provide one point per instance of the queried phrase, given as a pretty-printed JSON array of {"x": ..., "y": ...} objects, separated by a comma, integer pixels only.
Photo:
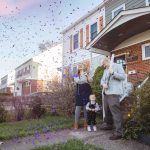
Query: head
[
  {"x": 105, "y": 62},
  {"x": 92, "y": 97}
]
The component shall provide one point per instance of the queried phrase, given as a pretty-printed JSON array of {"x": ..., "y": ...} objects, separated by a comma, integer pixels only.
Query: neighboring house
[
  {"x": 127, "y": 35},
  {"x": 35, "y": 74},
  {"x": 77, "y": 36},
  {"x": 7, "y": 83}
]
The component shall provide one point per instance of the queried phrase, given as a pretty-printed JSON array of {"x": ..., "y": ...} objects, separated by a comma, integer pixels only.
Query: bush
[
  {"x": 97, "y": 89},
  {"x": 139, "y": 122},
  {"x": 37, "y": 110},
  {"x": 3, "y": 114}
]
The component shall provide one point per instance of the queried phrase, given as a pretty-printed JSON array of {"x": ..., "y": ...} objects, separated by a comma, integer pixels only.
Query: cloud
[{"x": 7, "y": 7}]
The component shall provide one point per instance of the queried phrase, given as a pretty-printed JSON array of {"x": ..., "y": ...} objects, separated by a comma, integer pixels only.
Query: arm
[
  {"x": 97, "y": 107},
  {"x": 119, "y": 74},
  {"x": 87, "y": 106},
  {"x": 102, "y": 80}
]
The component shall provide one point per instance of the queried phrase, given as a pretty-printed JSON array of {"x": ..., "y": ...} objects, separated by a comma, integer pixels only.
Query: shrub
[
  {"x": 37, "y": 110},
  {"x": 3, "y": 114},
  {"x": 97, "y": 89},
  {"x": 140, "y": 114}
]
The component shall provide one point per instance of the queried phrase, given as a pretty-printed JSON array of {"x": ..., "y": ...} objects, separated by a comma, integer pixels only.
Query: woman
[{"x": 83, "y": 90}]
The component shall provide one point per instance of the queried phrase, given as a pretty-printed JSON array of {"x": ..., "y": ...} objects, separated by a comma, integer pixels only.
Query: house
[
  {"x": 7, "y": 83},
  {"x": 35, "y": 74},
  {"x": 77, "y": 36},
  {"x": 127, "y": 35}
]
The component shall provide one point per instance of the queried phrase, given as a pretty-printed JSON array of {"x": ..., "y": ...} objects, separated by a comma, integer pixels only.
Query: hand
[
  {"x": 111, "y": 71},
  {"x": 105, "y": 86},
  {"x": 93, "y": 109},
  {"x": 89, "y": 109}
]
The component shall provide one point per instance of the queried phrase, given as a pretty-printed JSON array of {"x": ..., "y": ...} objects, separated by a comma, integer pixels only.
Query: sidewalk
[{"x": 99, "y": 138}]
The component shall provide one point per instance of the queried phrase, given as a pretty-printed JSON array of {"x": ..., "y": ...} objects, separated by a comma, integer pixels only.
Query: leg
[
  {"x": 89, "y": 121},
  {"x": 108, "y": 115},
  {"x": 77, "y": 116},
  {"x": 85, "y": 116},
  {"x": 114, "y": 106},
  {"x": 93, "y": 119}
]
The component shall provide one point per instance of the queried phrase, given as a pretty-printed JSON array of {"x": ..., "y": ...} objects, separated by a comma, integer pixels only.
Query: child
[{"x": 92, "y": 107}]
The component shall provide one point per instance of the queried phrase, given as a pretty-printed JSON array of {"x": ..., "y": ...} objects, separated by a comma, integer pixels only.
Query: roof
[
  {"x": 124, "y": 22},
  {"x": 84, "y": 17}
]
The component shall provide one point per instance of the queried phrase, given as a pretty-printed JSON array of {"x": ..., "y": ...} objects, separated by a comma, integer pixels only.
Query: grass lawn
[
  {"x": 31, "y": 127},
  {"x": 70, "y": 145}
]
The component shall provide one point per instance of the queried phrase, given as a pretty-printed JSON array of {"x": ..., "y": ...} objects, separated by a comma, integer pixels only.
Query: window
[
  {"x": 75, "y": 70},
  {"x": 147, "y": 2},
  {"x": 121, "y": 60},
  {"x": 146, "y": 51},
  {"x": 76, "y": 41},
  {"x": 116, "y": 11},
  {"x": 93, "y": 30}
]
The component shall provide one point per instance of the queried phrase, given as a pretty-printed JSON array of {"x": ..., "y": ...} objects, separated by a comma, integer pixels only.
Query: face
[{"x": 106, "y": 63}]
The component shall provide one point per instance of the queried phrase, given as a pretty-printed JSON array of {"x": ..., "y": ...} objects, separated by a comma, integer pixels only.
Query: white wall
[{"x": 79, "y": 55}]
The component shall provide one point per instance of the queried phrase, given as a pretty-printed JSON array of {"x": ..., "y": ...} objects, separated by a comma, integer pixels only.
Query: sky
[{"x": 24, "y": 24}]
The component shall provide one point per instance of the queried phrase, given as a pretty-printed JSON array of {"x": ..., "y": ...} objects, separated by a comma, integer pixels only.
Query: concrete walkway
[{"x": 99, "y": 138}]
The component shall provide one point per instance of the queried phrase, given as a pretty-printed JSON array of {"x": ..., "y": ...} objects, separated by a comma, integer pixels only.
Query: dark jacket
[{"x": 83, "y": 92}]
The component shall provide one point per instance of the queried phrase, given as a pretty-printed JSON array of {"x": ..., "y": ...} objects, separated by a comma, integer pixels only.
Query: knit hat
[{"x": 92, "y": 97}]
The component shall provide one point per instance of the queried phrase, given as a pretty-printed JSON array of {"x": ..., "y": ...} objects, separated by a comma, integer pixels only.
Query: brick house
[
  {"x": 35, "y": 74},
  {"x": 127, "y": 35}
]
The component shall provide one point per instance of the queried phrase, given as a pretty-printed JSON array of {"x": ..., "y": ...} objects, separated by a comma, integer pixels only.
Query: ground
[{"x": 99, "y": 138}]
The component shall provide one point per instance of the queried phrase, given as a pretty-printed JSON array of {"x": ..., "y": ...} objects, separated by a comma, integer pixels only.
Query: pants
[
  {"x": 113, "y": 112},
  {"x": 78, "y": 111},
  {"x": 91, "y": 118}
]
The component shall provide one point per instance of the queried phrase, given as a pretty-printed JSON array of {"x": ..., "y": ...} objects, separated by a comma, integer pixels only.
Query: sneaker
[
  {"x": 89, "y": 128},
  {"x": 94, "y": 128},
  {"x": 1, "y": 142}
]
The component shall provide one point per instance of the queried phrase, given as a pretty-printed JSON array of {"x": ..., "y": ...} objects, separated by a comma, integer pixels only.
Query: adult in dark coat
[{"x": 83, "y": 92}]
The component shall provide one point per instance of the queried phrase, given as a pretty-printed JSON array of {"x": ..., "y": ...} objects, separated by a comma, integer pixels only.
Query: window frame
[
  {"x": 93, "y": 32},
  {"x": 74, "y": 42},
  {"x": 147, "y": 3},
  {"x": 114, "y": 10},
  {"x": 143, "y": 51}
]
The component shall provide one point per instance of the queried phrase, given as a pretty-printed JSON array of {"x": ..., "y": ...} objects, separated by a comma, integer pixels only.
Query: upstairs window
[
  {"x": 117, "y": 10},
  {"x": 146, "y": 51},
  {"x": 147, "y": 2},
  {"x": 76, "y": 41},
  {"x": 93, "y": 30}
]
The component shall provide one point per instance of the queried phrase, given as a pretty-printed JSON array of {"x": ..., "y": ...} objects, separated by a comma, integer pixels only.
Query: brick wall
[
  {"x": 142, "y": 67},
  {"x": 36, "y": 86}
]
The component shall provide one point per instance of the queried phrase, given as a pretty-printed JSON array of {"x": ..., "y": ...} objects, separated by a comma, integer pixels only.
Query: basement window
[
  {"x": 117, "y": 10},
  {"x": 146, "y": 51}
]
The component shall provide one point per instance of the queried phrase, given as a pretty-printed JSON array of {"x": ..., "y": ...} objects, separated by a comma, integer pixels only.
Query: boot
[
  {"x": 76, "y": 126},
  {"x": 85, "y": 124}
]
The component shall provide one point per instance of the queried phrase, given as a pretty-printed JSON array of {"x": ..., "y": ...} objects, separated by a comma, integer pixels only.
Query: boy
[{"x": 92, "y": 107}]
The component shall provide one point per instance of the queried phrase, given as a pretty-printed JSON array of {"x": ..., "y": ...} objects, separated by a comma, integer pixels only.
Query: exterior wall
[
  {"x": 73, "y": 57},
  {"x": 129, "y": 4},
  {"x": 7, "y": 83},
  {"x": 37, "y": 70},
  {"x": 139, "y": 66}
]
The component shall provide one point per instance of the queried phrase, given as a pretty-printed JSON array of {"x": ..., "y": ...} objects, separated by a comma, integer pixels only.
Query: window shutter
[
  {"x": 101, "y": 23},
  {"x": 71, "y": 44},
  {"x": 87, "y": 35},
  {"x": 81, "y": 38}
]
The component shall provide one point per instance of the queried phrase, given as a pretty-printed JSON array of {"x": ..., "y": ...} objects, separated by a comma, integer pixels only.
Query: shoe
[
  {"x": 85, "y": 124},
  {"x": 89, "y": 128},
  {"x": 105, "y": 126},
  {"x": 115, "y": 137},
  {"x": 1, "y": 143},
  {"x": 94, "y": 128},
  {"x": 76, "y": 126}
]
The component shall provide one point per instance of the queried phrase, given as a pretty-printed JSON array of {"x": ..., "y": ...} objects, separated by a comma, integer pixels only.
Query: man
[{"x": 112, "y": 89}]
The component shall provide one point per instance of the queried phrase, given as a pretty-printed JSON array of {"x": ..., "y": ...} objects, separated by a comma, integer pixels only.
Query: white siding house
[{"x": 77, "y": 36}]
